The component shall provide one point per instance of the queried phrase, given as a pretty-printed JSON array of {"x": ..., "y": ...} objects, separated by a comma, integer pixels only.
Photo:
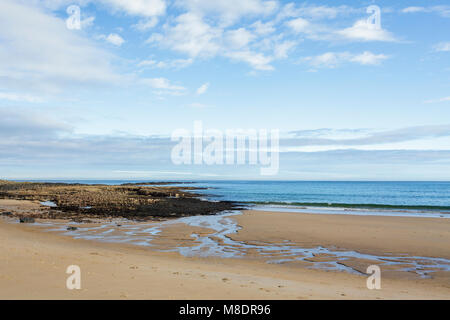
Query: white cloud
[
  {"x": 163, "y": 85},
  {"x": 364, "y": 31},
  {"x": 191, "y": 35},
  {"x": 290, "y": 10},
  {"x": 445, "y": 99},
  {"x": 55, "y": 4},
  {"x": 205, "y": 30},
  {"x": 443, "y": 46},
  {"x": 142, "y": 8},
  {"x": 176, "y": 63},
  {"x": 311, "y": 30},
  {"x": 144, "y": 25},
  {"x": 145, "y": 8},
  {"x": 39, "y": 52},
  {"x": 299, "y": 25},
  {"x": 326, "y": 12},
  {"x": 197, "y": 105},
  {"x": 154, "y": 38},
  {"x": 306, "y": 24},
  {"x": 114, "y": 39},
  {"x": 147, "y": 63},
  {"x": 203, "y": 88},
  {"x": 329, "y": 59},
  {"x": 19, "y": 97},
  {"x": 442, "y": 10},
  {"x": 262, "y": 28},
  {"x": 239, "y": 38},
  {"x": 413, "y": 9},
  {"x": 257, "y": 60},
  {"x": 282, "y": 49},
  {"x": 229, "y": 11},
  {"x": 334, "y": 59},
  {"x": 368, "y": 58},
  {"x": 87, "y": 22},
  {"x": 168, "y": 64}
]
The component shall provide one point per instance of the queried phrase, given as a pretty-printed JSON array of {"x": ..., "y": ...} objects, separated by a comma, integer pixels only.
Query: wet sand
[
  {"x": 33, "y": 262},
  {"x": 368, "y": 234},
  {"x": 403, "y": 247}
]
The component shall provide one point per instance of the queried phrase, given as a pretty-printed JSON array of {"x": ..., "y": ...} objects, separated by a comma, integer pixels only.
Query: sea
[{"x": 346, "y": 197}]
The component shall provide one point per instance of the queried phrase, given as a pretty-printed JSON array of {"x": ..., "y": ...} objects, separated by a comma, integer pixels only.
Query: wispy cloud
[
  {"x": 228, "y": 12},
  {"x": 445, "y": 99},
  {"x": 163, "y": 85},
  {"x": 167, "y": 64},
  {"x": 335, "y": 59},
  {"x": 363, "y": 31},
  {"x": 258, "y": 61},
  {"x": 203, "y": 88},
  {"x": 144, "y": 8},
  {"x": 373, "y": 138},
  {"x": 442, "y": 10},
  {"x": 197, "y": 105},
  {"x": 20, "y": 97},
  {"x": 114, "y": 39},
  {"x": 145, "y": 25},
  {"x": 316, "y": 12},
  {"x": 442, "y": 46}
]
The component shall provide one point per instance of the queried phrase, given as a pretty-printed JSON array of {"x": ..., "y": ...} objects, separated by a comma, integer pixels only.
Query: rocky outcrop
[{"x": 136, "y": 201}]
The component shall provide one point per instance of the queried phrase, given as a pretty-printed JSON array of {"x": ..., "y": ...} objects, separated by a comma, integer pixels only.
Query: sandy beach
[
  {"x": 428, "y": 237},
  {"x": 34, "y": 262}
]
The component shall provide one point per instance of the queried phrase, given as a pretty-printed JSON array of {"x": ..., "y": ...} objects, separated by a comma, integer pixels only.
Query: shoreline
[
  {"x": 357, "y": 211},
  {"x": 350, "y": 206}
]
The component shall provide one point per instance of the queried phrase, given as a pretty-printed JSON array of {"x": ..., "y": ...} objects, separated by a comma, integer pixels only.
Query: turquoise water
[
  {"x": 407, "y": 195},
  {"x": 381, "y": 195}
]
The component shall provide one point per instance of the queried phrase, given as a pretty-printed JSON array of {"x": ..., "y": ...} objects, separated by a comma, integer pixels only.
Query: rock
[
  {"x": 72, "y": 228},
  {"x": 80, "y": 220},
  {"x": 117, "y": 201},
  {"x": 7, "y": 213},
  {"x": 26, "y": 220}
]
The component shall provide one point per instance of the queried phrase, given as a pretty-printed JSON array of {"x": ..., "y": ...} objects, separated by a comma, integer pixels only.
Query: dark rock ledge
[{"x": 139, "y": 202}]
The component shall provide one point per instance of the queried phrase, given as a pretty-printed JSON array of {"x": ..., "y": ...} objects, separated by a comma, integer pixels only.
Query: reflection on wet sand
[{"x": 206, "y": 236}]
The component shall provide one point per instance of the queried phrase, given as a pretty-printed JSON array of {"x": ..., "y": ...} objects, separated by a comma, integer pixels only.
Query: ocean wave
[{"x": 446, "y": 209}]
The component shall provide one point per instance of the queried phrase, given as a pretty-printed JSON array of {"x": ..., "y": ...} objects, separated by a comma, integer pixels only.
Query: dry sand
[{"x": 33, "y": 263}]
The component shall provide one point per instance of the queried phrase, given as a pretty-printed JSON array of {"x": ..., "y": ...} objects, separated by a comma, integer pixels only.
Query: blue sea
[{"x": 330, "y": 194}]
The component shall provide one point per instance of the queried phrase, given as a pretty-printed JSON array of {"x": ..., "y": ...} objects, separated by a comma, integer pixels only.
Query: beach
[
  {"x": 224, "y": 150},
  {"x": 34, "y": 260}
]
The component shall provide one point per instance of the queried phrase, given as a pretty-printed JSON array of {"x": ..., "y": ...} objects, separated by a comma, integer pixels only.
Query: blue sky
[{"x": 351, "y": 102}]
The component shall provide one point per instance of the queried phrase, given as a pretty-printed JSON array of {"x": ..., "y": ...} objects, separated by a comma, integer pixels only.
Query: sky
[{"x": 356, "y": 94}]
